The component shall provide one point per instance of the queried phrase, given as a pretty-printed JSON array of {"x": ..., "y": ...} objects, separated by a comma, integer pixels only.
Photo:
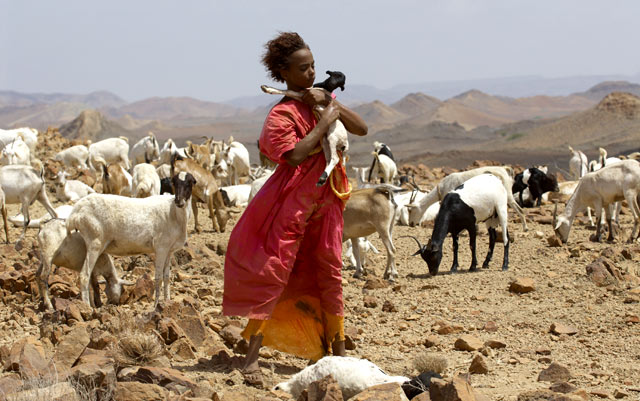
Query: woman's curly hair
[{"x": 278, "y": 50}]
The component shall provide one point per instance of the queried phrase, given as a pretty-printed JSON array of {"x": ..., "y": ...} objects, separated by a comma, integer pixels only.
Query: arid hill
[{"x": 92, "y": 125}]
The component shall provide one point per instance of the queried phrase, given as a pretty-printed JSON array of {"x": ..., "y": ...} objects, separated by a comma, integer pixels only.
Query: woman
[{"x": 283, "y": 262}]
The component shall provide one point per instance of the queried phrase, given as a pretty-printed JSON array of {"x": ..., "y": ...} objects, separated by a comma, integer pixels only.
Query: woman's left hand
[{"x": 316, "y": 97}]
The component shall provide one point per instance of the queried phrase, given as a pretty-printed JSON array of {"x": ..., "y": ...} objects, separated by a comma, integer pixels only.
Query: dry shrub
[
  {"x": 134, "y": 347},
  {"x": 430, "y": 362}
]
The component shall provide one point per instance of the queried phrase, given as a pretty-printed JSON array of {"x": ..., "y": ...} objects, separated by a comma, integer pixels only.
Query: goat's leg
[
  {"x": 96, "y": 302},
  {"x": 329, "y": 144},
  {"x": 454, "y": 266},
  {"x": 598, "y": 213},
  {"x": 194, "y": 208},
  {"x": 520, "y": 197},
  {"x": 472, "y": 245},
  {"x": 632, "y": 200},
  {"x": 505, "y": 259},
  {"x": 4, "y": 219},
  {"x": 356, "y": 254},
  {"x": 608, "y": 213},
  {"x": 390, "y": 273},
  {"x": 492, "y": 244},
  {"x": 25, "y": 213},
  {"x": 94, "y": 250},
  {"x": 590, "y": 217},
  {"x": 166, "y": 277},
  {"x": 42, "y": 275},
  {"x": 514, "y": 205},
  {"x": 44, "y": 200},
  {"x": 161, "y": 259}
]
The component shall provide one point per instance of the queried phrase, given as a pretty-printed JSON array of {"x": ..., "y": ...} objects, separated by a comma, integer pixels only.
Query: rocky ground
[{"x": 574, "y": 305}]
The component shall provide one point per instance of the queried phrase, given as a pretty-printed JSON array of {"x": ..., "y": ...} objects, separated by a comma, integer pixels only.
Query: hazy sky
[{"x": 211, "y": 49}]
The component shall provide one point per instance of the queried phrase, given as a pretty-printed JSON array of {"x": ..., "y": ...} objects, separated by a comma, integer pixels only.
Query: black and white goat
[
  {"x": 538, "y": 183},
  {"x": 482, "y": 198},
  {"x": 379, "y": 148},
  {"x": 336, "y": 138}
]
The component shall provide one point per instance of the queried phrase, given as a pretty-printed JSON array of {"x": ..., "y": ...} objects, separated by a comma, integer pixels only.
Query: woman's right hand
[{"x": 329, "y": 114}]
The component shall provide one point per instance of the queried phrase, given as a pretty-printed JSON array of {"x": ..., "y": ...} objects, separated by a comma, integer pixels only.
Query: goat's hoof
[
  {"x": 454, "y": 269},
  {"x": 322, "y": 180},
  {"x": 505, "y": 268},
  {"x": 18, "y": 246},
  {"x": 357, "y": 275},
  {"x": 473, "y": 269},
  {"x": 485, "y": 265}
]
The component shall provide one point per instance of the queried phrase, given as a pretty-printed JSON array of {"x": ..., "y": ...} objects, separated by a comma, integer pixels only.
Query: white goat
[
  {"x": 58, "y": 248},
  {"x": 482, "y": 198},
  {"x": 71, "y": 190},
  {"x": 450, "y": 182},
  {"x": 236, "y": 195},
  {"x": 74, "y": 157},
  {"x": 257, "y": 184},
  {"x": 384, "y": 168},
  {"x": 364, "y": 246},
  {"x": 361, "y": 181},
  {"x": 169, "y": 149},
  {"x": 63, "y": 211},
  {"x": 123, "y": 226},
  {"x": 145, "y": 150},
  {"x": 24, "y": 184},
  {"x": 112, "y": 150},
  {"x": 146, "y": 181},
  {"x": 16, "y": 152},
  {"x": 603, "y": 161},
  {"x": 352, "y": 374},
  {"x": 236, "y": 156},
  {"x": 578, "y": 164},
  {"x": 599, "y": 189},
  {"x": 333, "y": 142},
  {"x": 29, "y": 135}
]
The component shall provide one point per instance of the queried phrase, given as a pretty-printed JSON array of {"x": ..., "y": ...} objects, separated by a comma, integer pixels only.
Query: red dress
[{"x": 284, "y": 259}]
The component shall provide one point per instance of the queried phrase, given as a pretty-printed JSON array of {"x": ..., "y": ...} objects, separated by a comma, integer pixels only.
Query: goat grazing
[
  {"x": 599, "y": 189},
  {"x": 336, "y": 138},
  {"x": 123, "y": 226},
  {"x": 74, "y": 157},
  {"x": 450, "y": 182},
  {"x": 537, "y": 182},
  {"x": 482, "y": 198},
  {"x": 24, "y": 184},
  {"x": 58, "y": 248},
  {"x": 368, "y": 211}
]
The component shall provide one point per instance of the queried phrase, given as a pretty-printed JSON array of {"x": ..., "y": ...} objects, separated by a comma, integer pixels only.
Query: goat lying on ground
[
  {"x": 450, "y": 182},
  {"x": 368, "y": 211},
  {"x": 353, "y": 376},
  {"x": 482, "y": 198},
  {"x": 63, "y": 211},
  {"x": 336, "y": 138},
  {"x": 71, "y": 190},
  {"x": 537, "y": 182},
  {"x": 122, "y": 226},
  {"x": 58, "y": 248},
  {"x": 599, "y": 189}
]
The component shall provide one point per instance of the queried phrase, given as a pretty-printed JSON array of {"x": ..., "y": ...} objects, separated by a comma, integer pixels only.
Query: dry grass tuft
[
  {"x": 135, "y": 347},
  {"x": 429, "y": 362}
]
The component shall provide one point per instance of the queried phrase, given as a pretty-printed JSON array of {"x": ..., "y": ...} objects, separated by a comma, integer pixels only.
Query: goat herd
[{"x": 147, "y": 201}]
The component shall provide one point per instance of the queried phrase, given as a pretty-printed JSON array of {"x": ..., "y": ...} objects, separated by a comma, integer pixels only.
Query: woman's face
[{"x": 301, "y": 72}]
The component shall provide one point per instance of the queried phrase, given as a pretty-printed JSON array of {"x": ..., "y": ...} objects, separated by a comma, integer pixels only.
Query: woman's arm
[
  {"x": 302, "y": 149},
  {"x": 351, "y": 120}
]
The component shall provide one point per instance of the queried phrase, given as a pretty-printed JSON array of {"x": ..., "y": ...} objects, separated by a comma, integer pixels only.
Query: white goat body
[
  {"x": 23, "y": 184},
  {"x": 238, "y": 195},
  {"x": 236, "y": 157},
  {"x": 112, "y": 150},
  {"x": 74, "y": 157},
  {"x": 352, "y": 374},
  {"x": 146, "y": 181},
  {"x": 599, "y": 189},
  {"x": 123, "y": 226},
  {"x": 384, "y": 168},
  {"x": 71, "y": 190},
  {"x": 364, "y": 246},
  {"x": 145, "y": 150},
  {"x": 16, "y": 152}
]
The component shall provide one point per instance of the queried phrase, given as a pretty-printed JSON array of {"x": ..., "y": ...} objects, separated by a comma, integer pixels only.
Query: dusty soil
[{"x": 604, "y": 355}]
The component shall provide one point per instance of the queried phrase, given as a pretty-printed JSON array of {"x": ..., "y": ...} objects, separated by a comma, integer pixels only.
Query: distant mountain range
[{"x": 418, "y": 124}]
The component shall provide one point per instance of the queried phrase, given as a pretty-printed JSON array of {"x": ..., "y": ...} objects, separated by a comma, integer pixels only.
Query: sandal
[{"x": 253, "y": 378}]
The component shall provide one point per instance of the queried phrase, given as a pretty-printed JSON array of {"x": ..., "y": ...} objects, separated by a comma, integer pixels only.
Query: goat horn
[
  {"x": 555, "y": 215},
  {"x": 411, "y": 236}
]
